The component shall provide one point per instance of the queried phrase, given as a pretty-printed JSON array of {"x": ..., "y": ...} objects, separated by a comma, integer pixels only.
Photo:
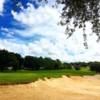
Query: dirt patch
[{"x": 65, "y": 88}]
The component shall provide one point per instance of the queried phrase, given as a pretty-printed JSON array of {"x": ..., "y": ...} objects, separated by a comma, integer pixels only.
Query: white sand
[{"x": 73, "y": 88}]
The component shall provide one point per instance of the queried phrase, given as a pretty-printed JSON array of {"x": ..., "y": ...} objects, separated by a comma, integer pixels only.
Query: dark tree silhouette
[
  {"x": 58, "y": 64},
  {"x": 9, "y": 59},
  {"x": 16, "y": 62},
  {"x": 95, "y": 66},
  {"x": 20, "y": 59},
  {"x": 31, "y": 63},
  {"x": 4, "y": 60},
  {"x": 81, "y": 11}
]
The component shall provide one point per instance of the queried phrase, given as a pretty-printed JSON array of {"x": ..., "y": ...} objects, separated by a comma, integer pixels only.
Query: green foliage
[
  {"x": 34, "y": 63},
  {"x": 67, "y": 66},
  {"x": 58, "y": 64},
  {"x": 16, "y": 62},
  {"x": 49, "y": 63},
  {"x": 77, "y": 66},
  {"x": 46, "y": 67},
  {"x": 9, "y": 59},
  {"x": 79, "y": 12},
  {"x": 20, "y": 59},
  {"x": 95, "y": 66},
  {"x": 31, "y": 63},
  {"x": 4, "y": 60}
]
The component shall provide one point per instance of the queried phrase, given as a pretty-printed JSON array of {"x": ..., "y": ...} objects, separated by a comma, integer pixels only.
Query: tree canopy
[
  {"x": 10, "y": 61},
  {"x": 80, "y": 12}
]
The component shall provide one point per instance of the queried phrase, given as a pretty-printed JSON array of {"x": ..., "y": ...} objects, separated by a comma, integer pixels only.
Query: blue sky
[{"x": 32, "y": 29}]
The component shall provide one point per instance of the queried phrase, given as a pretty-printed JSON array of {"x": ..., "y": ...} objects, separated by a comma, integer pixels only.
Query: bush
[
  {"x": 67, "y": 66},
  {"x": 95, "y": 66}
]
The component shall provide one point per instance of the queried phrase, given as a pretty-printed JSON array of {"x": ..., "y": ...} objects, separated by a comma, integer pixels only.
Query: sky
[{"x": 31, "y": 28}]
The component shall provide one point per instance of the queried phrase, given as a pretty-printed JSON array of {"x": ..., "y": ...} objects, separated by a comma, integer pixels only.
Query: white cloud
[
  {"x": 65, "y": 50},
  {"x": 43, "y": 48},
  {"x": 1, "y": 6},
  {"x": 43, "y": 21},
  {"x": 33, "y": 16},
  {"x": 38, "y": 20},
  {"x": 6, "y": 32}
]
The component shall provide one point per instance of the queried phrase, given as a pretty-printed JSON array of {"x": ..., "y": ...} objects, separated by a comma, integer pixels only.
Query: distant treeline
[{"x": 13, "y": 61}]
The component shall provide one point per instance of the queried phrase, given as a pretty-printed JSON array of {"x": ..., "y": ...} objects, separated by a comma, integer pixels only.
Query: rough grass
[{"x": 22, "y": 77}]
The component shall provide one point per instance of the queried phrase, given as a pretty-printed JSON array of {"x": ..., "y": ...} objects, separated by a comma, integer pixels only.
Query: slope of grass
[{"x": 22, "y": 77}]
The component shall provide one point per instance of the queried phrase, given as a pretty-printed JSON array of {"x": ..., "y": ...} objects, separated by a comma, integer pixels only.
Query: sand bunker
[{"x": 65, "y": 88}]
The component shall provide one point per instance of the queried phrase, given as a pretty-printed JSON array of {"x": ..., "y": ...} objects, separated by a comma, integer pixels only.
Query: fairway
[{"x": 22, "y": 77}]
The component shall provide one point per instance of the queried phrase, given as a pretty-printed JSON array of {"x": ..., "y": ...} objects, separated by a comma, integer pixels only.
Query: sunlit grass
[{"x": 22, "y": 77}]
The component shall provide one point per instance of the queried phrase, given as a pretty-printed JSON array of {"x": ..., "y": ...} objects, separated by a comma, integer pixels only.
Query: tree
[
  {"x": 4, "y": 60},
  {"x": 79, "y": 12},
  {"x": 67, "y": 65},
  {"x": 14, "y": 61},
  {"x": 95, "y": 66},
  {"x": 20, "y": 59},
  {"x": 77, "y": 65},
  {"x": 41, "y": 62},
  {"x": 8, "y": 59},
  {"x": 58, "y": 64},
  {"x": 31, "y": 63},
  {"x": 49, "y": 63}
]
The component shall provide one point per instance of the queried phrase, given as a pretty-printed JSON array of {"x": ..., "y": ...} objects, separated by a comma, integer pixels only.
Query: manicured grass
[{"x": 22, "y": 77}]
